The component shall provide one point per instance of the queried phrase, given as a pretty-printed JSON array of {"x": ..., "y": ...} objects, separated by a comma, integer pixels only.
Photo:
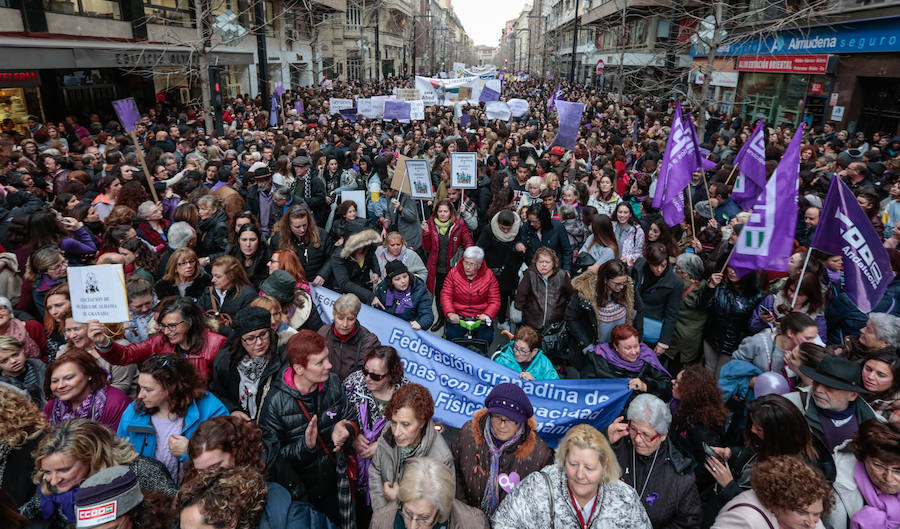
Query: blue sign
[
  {"x": 875, "y": 36},
  {"x": 460, "y": 379}
]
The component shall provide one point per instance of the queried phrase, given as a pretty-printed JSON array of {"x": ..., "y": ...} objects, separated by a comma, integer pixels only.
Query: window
[
  {"x": 89, "y": 8},
  {"x": 354, "y": 17},
  {"x": 354, "y": 69},
  {"x": 241, "y": 8},
  {"x": 170, "y": 12},
  {"x": 640, "y": 32}
]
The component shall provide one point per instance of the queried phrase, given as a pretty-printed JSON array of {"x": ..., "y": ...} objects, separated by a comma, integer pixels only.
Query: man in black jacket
[
  {"x": 309, "y": 188},
  {"x": 260, "y": 199}
]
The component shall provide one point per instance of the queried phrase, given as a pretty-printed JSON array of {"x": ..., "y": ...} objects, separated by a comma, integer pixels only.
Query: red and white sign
[
  {"x": 806, "y": 64},
  {"x": 600, "y": 66},
  {"x": 96, "y": 514},
  {"x": 816, "y": 87}
]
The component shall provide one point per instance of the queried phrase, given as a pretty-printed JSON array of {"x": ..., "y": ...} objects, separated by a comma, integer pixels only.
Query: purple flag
[
  {"x": 298, "y": 106},
  {"x": 679, "y": 161},
  {"x": 634, "y": 133},
  {"x": 767, "y": 239},
  {"x": 348, "y": 113},
  {"x": 845, "y": 230},
  {"x": 557, "y": 94},
  {"x": 273, "y": 111},
  {"x": 279, "y": 89},
  {"x": 489, "y": 94},
  {"x": 128, "y": 113},
  {"x": 569, "y": 115},
  {"x": 751, "y": 164},
  {"x": 396, "y": 110},
  {"x": 465, "y": 119}
]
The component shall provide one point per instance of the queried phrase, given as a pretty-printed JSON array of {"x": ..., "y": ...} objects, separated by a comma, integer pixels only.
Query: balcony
[{"x": 611, "y": 7}]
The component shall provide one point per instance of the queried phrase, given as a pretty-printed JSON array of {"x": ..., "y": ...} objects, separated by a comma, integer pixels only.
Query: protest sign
[
  {"x": 358, "y": 196},
  {"x": 459, "y": 379},
  {"x": 463, "y": 170},
  {"x": 517, "y": 107},
  {"x": 417, "y": 109},
  {"x": 498, "y": 110},
  {"x": 419, "y": 179},
  {"x": 399, "y": 180},
  {"x": 337, "y": 104},
  {"x": 408, "y": 94},
  {"x": 128, "y": 113},
  {"x": 396, "y": 110},
  {"x": 98, "y": 293}
]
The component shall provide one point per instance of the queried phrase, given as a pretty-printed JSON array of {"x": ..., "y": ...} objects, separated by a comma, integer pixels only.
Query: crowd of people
[{"x": 765, "y": 400}]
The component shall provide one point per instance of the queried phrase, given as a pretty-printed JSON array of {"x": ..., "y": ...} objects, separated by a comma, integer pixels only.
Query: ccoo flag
[
  {"x": 767, "y": 239},
  {"x": 845, "y": 230},
  {"x": 751, "y": 164},
  {"x": 679, "y": 160}
]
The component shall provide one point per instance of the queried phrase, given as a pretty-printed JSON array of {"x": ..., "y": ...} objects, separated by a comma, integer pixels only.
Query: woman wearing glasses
[
  {"x": 661, "y": 474},
  {"x": 46, "y": 268},
  {"x": 369, "y": 390},
  {"x": 183, "y": 330},
  {"x": 184, "y": 276},
  {"x": 626, "y": 357},
  {"x": 425, "y": 500},
  {"x": 247, "y": 363},
  {"x": 171, "y": 403}
]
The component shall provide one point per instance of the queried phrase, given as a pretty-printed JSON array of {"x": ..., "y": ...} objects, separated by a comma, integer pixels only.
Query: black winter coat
[
  {"x": 661, "y": 300},
  {"x": 669, "y": 493},
  {"x": 729, "y": 316},
  {"x": 658, "y": 382},
  {"x": 198, "y": 288},
  {"x": 258, "y": 270},
  {"x": 226, "y": 380},
  {"x": 556, "y": 238},
  {"x": 235, "y": 300},
  {"x": 501, "y": 256},
  {"x": 213, "y": 236},
  {"x": 308, "y": 473},
  {"x": 350, "y": 278},
  {"x": 316, "y": 261},
  {"x": 543, "y": 303}
]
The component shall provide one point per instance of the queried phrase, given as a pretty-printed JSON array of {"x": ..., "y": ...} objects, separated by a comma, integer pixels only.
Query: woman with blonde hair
[
  {"x": 279, "y": 319},
  {"x": 184, "y": 276},
  {"x": 582, "y": 489},
  {"x": 69, "y": 454},
  {"x": 21, "y": 426},
  {"x": 230, "y": 290}
]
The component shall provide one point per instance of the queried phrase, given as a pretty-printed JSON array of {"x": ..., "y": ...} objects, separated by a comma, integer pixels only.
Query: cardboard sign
[
  {"x": 399, "y": 181},
  {"x": 408, "y": 94},
  {"x": 465, "y": 92},
  {"x": 98, "y": 293}
]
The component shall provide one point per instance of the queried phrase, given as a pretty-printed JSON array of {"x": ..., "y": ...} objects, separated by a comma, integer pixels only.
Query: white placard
[
  {"x": 98, "y": 293},
  {"x": 517, "y": 107},
  {"x": 419, "y": 179},
  {"x": 837, "y": 113},
  {"x": 498, "y": 110},
  {"x": 417, "y": 109},
  {"x": 833, "y": 100},
  {"x": 359, "y": 197},
  {"x": 335, "y": 104},
  {"x": 463, "y": 170}
]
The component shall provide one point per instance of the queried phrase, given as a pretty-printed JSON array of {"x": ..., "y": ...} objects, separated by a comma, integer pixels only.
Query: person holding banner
[
  {"x": 626, "y": 357},
  {"x": 444, "y": 235}
]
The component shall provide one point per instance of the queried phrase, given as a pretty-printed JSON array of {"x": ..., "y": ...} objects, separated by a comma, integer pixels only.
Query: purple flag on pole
[
  {"x": 279, "y": 89},
  {"x": 679, "y": 161},
  {"x": 128, "y": 113},
  {"x": 465, "y": 119},
  {"x": 298, "y": 106},
  {"x": 702, "y": 162},
  {"x": 551, "y": 103},
  {"x": 751, "y": 164},
  {"x": 273, "y": 111},
  {"x": 845, "y": 230},
  {"x": 569, "y": 115},
  {"x": 396, "y": 110},
  {"x": 489, "y": 94},
  {"x": 767, "y": 239}
]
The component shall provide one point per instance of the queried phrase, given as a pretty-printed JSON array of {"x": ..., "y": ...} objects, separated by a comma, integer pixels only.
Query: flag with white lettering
[
  {"x": 767, "y": 239},
  {"x": 845, "y": 230},
  {"x": 751, "y": 164},
  {"x": 703, "y": 163},
  {"x": 679, "y": 160},
  {"x": 557, "y": 94}
]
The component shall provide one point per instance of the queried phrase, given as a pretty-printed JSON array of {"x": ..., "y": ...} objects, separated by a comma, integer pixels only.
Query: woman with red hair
[{"x": 626, "y": 357}]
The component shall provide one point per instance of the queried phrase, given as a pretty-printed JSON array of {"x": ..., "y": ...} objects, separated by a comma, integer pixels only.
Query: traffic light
[{"x": 215, "y": 87}]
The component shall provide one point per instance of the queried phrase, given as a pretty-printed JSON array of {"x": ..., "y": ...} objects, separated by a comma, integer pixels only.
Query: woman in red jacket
[
  {"x": 182, "y": 329},
  {"x": 471, "y": 291},
  {"x": 442, "y": 236}
]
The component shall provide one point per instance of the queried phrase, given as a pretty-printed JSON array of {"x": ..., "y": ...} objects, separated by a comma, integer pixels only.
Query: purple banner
[
  {"x": 348, "y": 113},
  {"x": 298, "y": 106},
  {"x": 396, "y": 110},
  {"x": 679, "y": 161},
  {"x": 128, "y": 112},
  {"x": 767, "y": 239},
  {"x": 465, "y": 119},
  {"x": 279, "y": 89},
  {"x": 751, "y": 164},
  {"x": 489, "y": 94},
  {"x": 845, "y": 230},
  {"x": 551, "y": 103},
  {"x": 569, "y": 120},
  {"x": 273, "y": 111}
]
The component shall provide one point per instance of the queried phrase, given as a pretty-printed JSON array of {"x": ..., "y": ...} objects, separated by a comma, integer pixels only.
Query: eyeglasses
[
  {"x": 170, "y": 326},
  {"x": 185, "y": 263},
  {"x": 618, "y": 284},
  {"x": 647, "y": 438},
  {"x": 521, "y": 350},
  {"x": 418, "y": 521},
  {"x": 248, "y": 340},
  {"x": 374, "y": 376},
  {"x": 59, "y": 266},
  {"x": 501, "y": 419},
  {"x": 884, "y": 469}
]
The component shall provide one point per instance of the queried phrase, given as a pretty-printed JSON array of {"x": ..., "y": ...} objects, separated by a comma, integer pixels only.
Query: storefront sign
[
  {"x": 803, "y": 64},
  {"x": 834, "y": 98},
  {"x": 19, "y": 78},
  {"x": 148, "y": 58},
  {"x": 876, "y": 36},
  {"x": 816, "y": 87}
]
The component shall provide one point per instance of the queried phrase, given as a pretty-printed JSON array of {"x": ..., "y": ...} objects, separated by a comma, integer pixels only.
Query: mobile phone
[{"x": 712, "y": 453}]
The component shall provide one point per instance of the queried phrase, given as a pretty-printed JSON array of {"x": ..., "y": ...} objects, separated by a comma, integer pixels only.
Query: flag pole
[
  {"x": 800, "y": 278},
  {"x": 706, "y": 185},
  {"x": 727, "y": 180},
  {"x": 724, "y": 266},
  {"x": 691, "y": 204}
]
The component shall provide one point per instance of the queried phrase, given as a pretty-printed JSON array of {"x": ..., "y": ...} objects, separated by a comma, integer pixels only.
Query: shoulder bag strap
[
  {"x": 755, "y": 508},
  {"x": 318, "y": 435},
  {"x": 212, "y": 298},
  {"x": 550, "y": 496},
  {"x": 689, "y": 289}
]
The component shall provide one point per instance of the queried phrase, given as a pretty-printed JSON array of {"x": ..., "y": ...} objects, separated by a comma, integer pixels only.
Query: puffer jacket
[
  {"x": 421, "y": 299},
  {"x": 667, "y": 488},
  {"x": 213, "y": 236},
  {"x": 387, "y": 465},
  {"x": 543, "y": 302},
  {"x": 348, "y": 355},
  {"x": 459, "y": 237},
  {"x": 315, "y": 259},
  {"x": 461, "y": 296},
  {"x": 281, "y": 512},
  {"x": 686, "y": 343},
  {"x": 306, "y": 472},
  {"x": 729, "y": 315},
  {"x": 660, "y": 300},
  {"x": 541, "y": 368},
  {"x": 528, "y": 505},
  {"x": 122, "y": 355},
  {"x": 461, "y": 517},
  {"x": 472, "y": 458}
]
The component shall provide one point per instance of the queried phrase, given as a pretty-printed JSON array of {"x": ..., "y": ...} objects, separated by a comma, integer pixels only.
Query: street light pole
[{"x": 574, "y": 43}]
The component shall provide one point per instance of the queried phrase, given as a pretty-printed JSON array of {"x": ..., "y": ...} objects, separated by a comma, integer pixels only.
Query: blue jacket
[
  {"x": 137, "y": 428},
  {"x": 734, "y": 380},
  {"x": 556, "y": 238},
  {"x": 726, "y": 210},
  {"x": 421, "y": 309},
  {"x": 889, "y": 302},
  {"x": 541, "y": 368},
  {"x": 282, "y": 513}
]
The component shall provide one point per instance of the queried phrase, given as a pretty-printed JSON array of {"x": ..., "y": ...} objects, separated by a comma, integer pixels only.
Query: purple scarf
[
  {"x": 647, "y": 356},
  {"x": 64, "y": 500},
  {"x": 403, "y": 299},
  {"x": 90, "y": 408},
  {"x": 371, "y": 433},
  {"x": 882, "y": 511}
]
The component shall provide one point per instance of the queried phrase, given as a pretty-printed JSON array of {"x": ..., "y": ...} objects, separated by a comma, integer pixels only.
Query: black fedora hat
[{"x": 836, "y": 372}]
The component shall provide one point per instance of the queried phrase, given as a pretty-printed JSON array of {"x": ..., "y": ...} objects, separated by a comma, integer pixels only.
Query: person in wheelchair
[
  {"x": 470, "y": 292},
  {"x": 522, "y": 354}
]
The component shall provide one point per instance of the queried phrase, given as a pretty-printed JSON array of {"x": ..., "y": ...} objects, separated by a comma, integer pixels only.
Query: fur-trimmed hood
[
  {"x": 585, "y": 286},
  {"x": 526, "y": 444},
  {"x": 360, "y": 240}
]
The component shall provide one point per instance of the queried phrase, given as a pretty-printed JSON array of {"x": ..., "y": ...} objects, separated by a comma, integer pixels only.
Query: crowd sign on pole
[
  {"x": 459, "y": 379},
  {"x": 98, "y": 293},
  {"x": 463, "y": 170},
  {"x": 336, "y": 104}
]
